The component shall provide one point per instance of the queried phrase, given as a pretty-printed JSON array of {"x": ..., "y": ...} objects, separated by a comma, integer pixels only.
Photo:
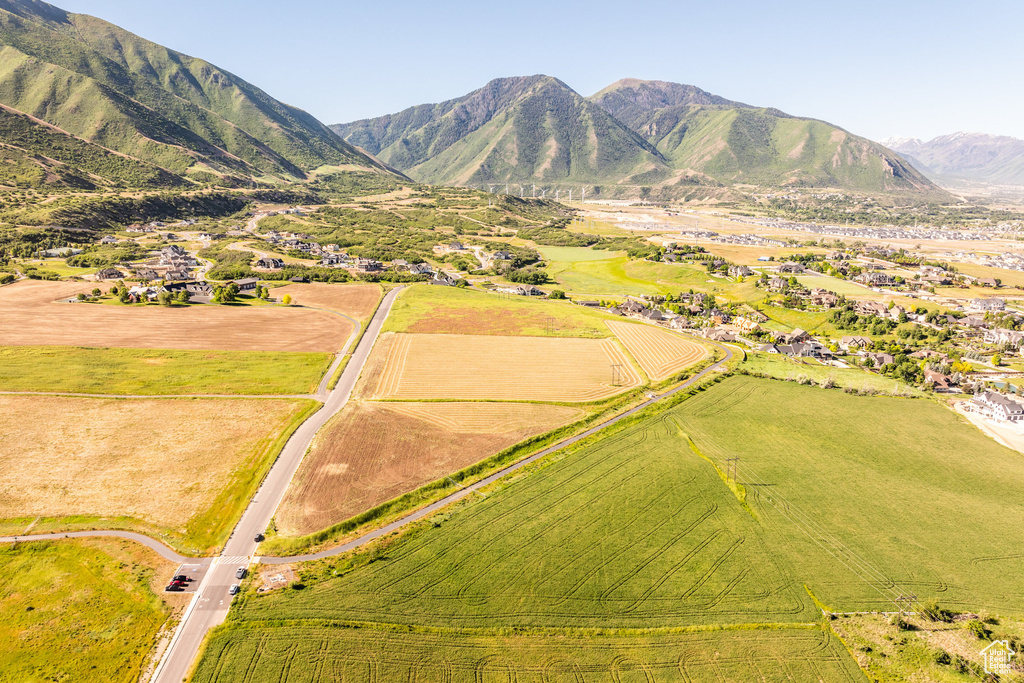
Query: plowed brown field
[
  {"x": 32, "y": 315},
  {"x": 471, "y": 367},
  {"x": 660, "y": 353},
  {"x": 373, "y": 452}
]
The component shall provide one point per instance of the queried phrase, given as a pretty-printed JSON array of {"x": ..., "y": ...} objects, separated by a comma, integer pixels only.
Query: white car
[{"x": 233, "y": 590}]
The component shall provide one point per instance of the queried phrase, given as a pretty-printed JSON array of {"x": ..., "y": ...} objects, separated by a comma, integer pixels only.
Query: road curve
[
  {"x": 161, "y": 549},
  {"x": 465, "y": 491},
  {"x": 210, "y": 605}
]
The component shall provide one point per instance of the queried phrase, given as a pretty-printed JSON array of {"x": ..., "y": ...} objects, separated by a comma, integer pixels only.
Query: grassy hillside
[
  {"x": 101, "y": 83},
  {"x": 531, "y": 129},
  {"x": 736, "y": 143}
]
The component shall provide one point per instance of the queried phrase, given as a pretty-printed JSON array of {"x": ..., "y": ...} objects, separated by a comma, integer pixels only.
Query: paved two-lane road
[{"x": 211, "y": 603}]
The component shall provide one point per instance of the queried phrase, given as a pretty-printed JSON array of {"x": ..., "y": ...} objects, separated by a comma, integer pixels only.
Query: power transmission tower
[
  {"x": 733, "y": 465},
  {"x": 903, "y": 603},
  {"x": 616, "y": 374}
]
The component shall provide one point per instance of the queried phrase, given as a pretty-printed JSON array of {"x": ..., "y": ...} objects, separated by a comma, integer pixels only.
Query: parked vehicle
[
  {"x": 174, "y": 589},
  {"x": 233, "y": 590},
  {"x": 259, "y": 538},
  {"x": 180, "y": 577}
]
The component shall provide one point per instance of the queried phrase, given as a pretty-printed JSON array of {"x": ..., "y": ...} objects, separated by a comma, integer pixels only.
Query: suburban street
[{"x": 211, "y": 603}]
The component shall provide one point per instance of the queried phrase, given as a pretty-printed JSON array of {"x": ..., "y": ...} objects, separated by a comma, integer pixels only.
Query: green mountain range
[
  {"x": 114, "y": 96},
  {"x": 526, "y": 129},
  {"x": 632, "y": 134}
]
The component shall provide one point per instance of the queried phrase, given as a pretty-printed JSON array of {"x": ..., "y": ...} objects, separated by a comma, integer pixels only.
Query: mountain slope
[
  {"x": 737, "y": 143},
  {"x": 980, "y": 157},
  {"x": 103, "y": 84},
  {"x": 529, "y": 129}
]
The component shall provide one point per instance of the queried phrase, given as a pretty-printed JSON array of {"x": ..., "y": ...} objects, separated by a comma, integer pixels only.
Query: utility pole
[
  {"x": 732, "y": 464},
  {"x": 583, "y": 198},
  {"x": 534, "y": 192}
]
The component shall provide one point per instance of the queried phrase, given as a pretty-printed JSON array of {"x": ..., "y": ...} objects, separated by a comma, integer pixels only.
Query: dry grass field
[
  {"x": 373, "y": 452},
  {"x": 162, "y": 461},
  {"x": 659, "y": 352},
  {"x": 30, "y": 317},
  {"x": 355, "y": 301},
  {"x": 470, "y": 367}
]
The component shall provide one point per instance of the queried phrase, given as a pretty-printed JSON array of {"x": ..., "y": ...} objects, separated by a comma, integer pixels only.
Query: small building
[
  {"x": 740, "y": 271},
  {"x": 1011, "y": 338},
  {"x": 247, "y": 284},
  {"x": 529, "y": 290},
  {"x": 109, "y": 274},
  {"x": 147, "y": 274},
  {"x": 990, "y": 304},
  {"x": 997, "y": 407},
  {"x": 791, "y": 268},
  {"x": 851, "y": 343},
  {"x": 270, "y": 263}
]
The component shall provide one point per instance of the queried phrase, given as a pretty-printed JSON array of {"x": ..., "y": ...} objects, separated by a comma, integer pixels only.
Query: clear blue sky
[{"x": 914, "y": 68}]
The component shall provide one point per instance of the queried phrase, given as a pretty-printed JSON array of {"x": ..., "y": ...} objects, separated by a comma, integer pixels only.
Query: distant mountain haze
[
  {"x": 978, "y": 157},
  {"x": 632, "y": 133},
  {"x": 173, "y": 115}
]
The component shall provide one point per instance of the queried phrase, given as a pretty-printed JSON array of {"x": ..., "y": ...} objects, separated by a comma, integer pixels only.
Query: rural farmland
[
  {"x": 79, "y": 610},
  {"x": 181, "y": 466},
  {"x": 451, "y": 310},
  {"x": 659, "y": 352},
  {"x": 33, "y": 316},
  {"x": 319, "y": 655},
  {"x": 471, "y": 367},
  {"x": 372, "y": 452}
]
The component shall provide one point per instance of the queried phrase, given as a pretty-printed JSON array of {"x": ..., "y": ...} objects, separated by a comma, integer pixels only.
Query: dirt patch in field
[
  {"x": 480, "y": 367},
  {"x": 161, "y": 461},
  {"x": 33, "y": 313},
  {"x": 660, "y": 353},
  {"x": 373, "y": 452},
  {"x": 355, "y": 301}
]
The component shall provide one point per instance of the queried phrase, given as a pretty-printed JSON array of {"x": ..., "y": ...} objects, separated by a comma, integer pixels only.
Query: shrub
[{"x": 978, "y": 629}]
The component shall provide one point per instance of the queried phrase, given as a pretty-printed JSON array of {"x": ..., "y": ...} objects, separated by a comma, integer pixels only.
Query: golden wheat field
[
  {"x": 32, "y": 314},
  {"x": 660, "y": 353},
  {"x": 355, "y": 301},
  {"x": 158, "y": 460},
  {"x": 484, "y": 367},
  {"x": 372, "y": 452}
]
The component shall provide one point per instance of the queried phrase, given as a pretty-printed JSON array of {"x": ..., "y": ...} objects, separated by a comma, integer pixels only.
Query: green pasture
[
  {"x": 452, "y": 310},
  {"x": 75, "y": 611},
  {"x": 841, "y": 287},
  {"x": 154, "y": 372}
]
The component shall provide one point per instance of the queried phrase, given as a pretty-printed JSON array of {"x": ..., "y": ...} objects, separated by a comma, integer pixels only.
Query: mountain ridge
[
  {"x": 670, "y": 136},
  {"x": 964, "y": 156},
  {"x": 105, "y": 85}
]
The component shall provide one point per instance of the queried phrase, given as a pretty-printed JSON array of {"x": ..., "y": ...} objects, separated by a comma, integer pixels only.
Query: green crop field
[
  {"x": 917, "y": 499},
  {"x": 154, "y": 372},
  {"x": 450, "y": 310},
  {"x": 357, "y": 655},
  {"x": 77, "y": 611}
]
